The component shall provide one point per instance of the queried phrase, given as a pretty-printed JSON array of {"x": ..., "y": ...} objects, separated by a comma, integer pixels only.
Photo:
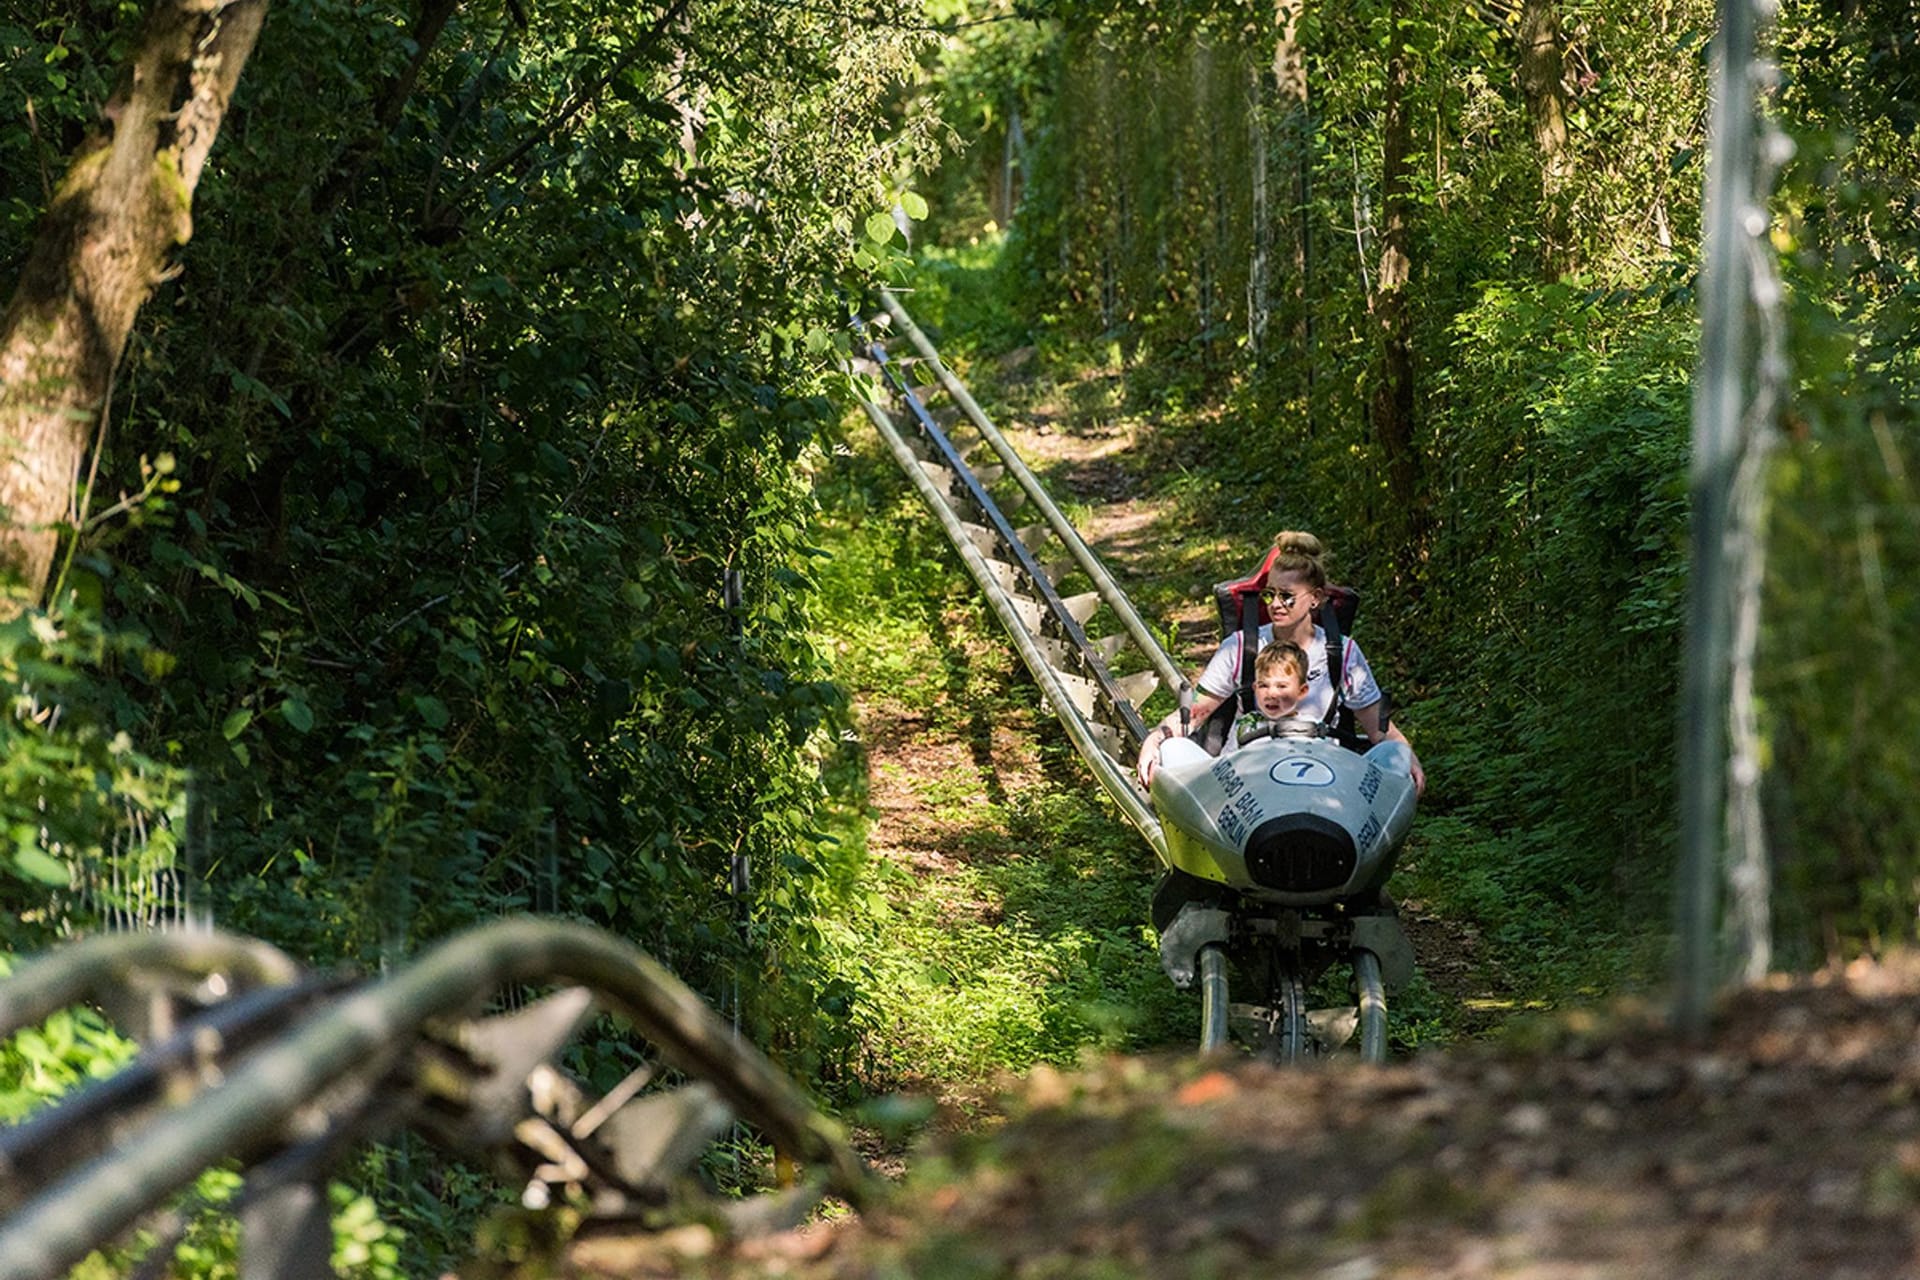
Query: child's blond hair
[{"x": 1280, "y": 655}]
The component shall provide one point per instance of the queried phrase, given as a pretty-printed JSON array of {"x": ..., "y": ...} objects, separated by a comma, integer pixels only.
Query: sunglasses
[{"x": 1284, "y": 599}]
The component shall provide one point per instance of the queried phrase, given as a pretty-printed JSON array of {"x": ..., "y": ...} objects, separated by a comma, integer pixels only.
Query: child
[{"x": 1279, "y": 682}]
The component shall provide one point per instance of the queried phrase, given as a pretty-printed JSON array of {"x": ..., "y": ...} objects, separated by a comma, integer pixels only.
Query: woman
[{"x": 1296, "y": 584}]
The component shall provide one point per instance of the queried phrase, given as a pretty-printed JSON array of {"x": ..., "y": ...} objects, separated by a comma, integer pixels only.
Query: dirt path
[{"x": 1787, "y": 1148}]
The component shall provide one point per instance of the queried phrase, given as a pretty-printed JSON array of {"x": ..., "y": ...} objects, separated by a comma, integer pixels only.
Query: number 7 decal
[{"x": 1302, "y": 771}]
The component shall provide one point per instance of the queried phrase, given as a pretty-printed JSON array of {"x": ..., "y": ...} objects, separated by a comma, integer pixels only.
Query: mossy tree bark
[{"x": 103, "y": 245}]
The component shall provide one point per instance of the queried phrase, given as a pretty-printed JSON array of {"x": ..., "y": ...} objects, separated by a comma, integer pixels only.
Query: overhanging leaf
[{"x": 36, "y": 863}]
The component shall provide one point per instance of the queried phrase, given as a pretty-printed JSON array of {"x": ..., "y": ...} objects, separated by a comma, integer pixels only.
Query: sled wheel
[
  {"x": 1292, "y": 1038},
  {"x": 1213, "y": 999},
  {"x": 1371, "y": 992}
]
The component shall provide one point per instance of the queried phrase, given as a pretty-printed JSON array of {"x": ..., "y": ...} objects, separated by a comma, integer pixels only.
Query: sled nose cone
[{"x": 1300, "y": 853}]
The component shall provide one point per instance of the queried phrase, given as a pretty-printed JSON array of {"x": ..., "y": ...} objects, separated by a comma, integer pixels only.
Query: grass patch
[
  {"x": 1019, "y": 935},
  {"x": 1549, "y": 949}
]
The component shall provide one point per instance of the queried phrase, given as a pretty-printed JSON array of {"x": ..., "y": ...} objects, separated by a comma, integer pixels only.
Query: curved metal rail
[
  {"x": 1099, "y": 710},
  {"x": 286, "y": 1075}
]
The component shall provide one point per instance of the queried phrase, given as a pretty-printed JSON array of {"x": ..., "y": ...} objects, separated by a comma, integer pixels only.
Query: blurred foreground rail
[{"x": 247, "y": 1058}]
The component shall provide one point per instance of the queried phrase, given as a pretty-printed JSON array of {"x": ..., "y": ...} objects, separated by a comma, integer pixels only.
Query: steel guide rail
[
  {"x": 1084, "y": 654},
  {"x": 1110, "y": 593},
  {"x": 1115, "y": 776}
]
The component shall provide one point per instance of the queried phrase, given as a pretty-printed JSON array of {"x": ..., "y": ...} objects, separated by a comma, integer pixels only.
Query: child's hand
[{"x": 1149, "y": 761}]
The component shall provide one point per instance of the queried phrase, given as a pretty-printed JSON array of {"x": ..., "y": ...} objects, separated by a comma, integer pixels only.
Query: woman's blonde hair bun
[
  {"x": 1296, "y": 542},
  {"x": 1301, "y": 553}
]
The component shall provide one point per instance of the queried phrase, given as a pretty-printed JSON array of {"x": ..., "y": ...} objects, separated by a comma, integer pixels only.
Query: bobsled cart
[{"x": 1279, "y": 854}]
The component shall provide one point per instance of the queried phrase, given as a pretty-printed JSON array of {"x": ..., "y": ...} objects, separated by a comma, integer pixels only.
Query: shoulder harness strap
[
  {"x": 1250, "y": 611},
  {"x": 1336, "y": 659}
]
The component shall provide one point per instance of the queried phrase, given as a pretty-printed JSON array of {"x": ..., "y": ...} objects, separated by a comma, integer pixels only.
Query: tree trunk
[
  {"x": 1289, "y": 61},
  {"x": 1393, "y": 392},
  {"x": 125, "y": 203},
  {"x": 1296, "y": 132},
  {"x": 1258, "y": 305},
  {"x": 1543, "y": 82}
]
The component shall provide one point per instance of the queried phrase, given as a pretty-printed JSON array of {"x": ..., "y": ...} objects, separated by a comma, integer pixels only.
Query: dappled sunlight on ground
[{"x": 1597, "y": 1144}]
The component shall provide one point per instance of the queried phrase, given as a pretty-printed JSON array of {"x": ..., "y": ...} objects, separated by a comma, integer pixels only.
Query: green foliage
[
  {"x": 38, "y": 1064},
  {"x": 471, "y": 431},
  {"x": 1026, "y": 941},
  {"x": 498, "y": 347},
  {"x": 364, "y": 1246},
  {"x": 1222, "y": 244},
  {"x": 1029, "y": 953},
  {"x": 965, "y": 301},
  {"x": 1565, "y": 519},
  {"x": 989, "y": 84},
  {"x": 90, "y": 818},
  {"x": 1838, "y": 673}
]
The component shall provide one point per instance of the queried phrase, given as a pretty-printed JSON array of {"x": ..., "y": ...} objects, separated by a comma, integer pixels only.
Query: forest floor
[
  {"x": 1573, "y": 1144},
  {"x": 1786, "y": 1145}
]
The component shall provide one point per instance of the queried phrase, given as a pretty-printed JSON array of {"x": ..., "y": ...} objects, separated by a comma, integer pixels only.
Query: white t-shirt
[{"x": 1221, "y": 676}]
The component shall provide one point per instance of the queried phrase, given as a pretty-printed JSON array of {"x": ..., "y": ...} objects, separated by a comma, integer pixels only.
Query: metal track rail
[
  {"x": 282, "y": 1074},
  {"x": 1099, "y": 710},
  {"x": 1109, "y": 591}
]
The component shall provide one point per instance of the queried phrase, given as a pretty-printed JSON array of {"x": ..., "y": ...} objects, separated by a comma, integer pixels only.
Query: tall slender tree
[
  {"x": 1290, "y": 85},
  {"x": 1392, "y": 413},
  {"x": 1543, "y": 82}
]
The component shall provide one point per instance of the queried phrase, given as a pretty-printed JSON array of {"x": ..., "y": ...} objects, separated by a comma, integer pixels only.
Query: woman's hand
[{"x": 1368, "y": 718}]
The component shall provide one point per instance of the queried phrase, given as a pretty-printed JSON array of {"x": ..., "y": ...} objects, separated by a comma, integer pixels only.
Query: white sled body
[{"x": 1295, "y": 821}]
